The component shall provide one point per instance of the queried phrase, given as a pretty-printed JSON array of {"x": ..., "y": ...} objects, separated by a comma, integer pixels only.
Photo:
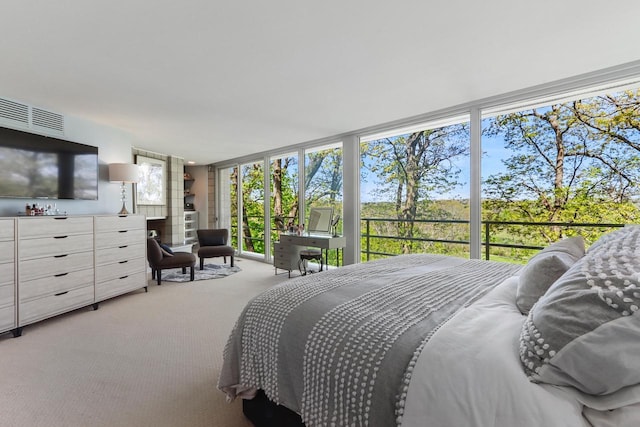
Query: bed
[{"x": 433, "y": 340}]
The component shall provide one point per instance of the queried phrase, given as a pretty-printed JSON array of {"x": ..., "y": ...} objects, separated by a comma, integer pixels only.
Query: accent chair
[
  {"x": 159, "y": 260},
  {"x": 213, "y": 243}
]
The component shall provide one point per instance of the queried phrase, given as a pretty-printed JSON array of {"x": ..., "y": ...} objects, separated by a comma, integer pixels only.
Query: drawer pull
[
  {"x": 122, "y": 231},
  {"x": 123, "y": 277},
  {"x": 123, "y": 246},
  {"x": 60, "y": 274},
  {"x": 60, "y": 217},
  {"x": 123, "y": 262},
  {"x": 60, "y": 256},
  {"x": 60, "y": 237},
  {"x": 61, "y": 293}
]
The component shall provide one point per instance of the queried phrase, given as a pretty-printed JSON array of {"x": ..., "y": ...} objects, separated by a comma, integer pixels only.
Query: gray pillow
[
  {"x": 585, "y": 330},
  {"x": 544, "y": 268}
]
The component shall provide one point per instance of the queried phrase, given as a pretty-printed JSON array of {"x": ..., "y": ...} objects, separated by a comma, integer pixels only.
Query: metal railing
[
  {"x": 487, "y": 243},
  {"x": 487, "y": 226}
]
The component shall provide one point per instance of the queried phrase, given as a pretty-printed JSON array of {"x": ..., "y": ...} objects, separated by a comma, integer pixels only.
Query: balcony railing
[
  {"x": 490, "y": 234},
  {"x": 487, "y": 242}
]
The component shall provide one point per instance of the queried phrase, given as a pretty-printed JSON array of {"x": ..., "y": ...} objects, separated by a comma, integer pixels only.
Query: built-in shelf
[{"x": 190, "y": 227}]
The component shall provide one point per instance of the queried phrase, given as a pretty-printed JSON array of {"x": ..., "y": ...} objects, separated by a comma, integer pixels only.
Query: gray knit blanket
[{"x": 338, "y": 347}]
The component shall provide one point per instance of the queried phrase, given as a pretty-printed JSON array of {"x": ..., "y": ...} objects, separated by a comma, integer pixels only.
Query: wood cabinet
[
  {"x": 120, "y": 255},
  {"x": 55, "y": 266},
  {"x": 7, "y": 275},
  {"x": 52, "y": 265}
]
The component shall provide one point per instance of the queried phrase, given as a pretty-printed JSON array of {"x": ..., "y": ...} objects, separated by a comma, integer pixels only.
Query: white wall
[{"x": 114, "y": 146}]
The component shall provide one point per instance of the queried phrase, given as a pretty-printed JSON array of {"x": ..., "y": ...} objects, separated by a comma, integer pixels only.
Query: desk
[{"x": 286, "y": 253}]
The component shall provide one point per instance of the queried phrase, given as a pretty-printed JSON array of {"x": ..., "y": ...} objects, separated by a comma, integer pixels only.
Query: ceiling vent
[
  {"x": 47, "y": 121},
  {"x": 14, "y": 114},
  {"x": 17, "y": 115}
]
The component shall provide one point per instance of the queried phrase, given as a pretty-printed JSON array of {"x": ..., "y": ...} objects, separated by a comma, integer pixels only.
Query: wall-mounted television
[{"x": 38, "y": 166}]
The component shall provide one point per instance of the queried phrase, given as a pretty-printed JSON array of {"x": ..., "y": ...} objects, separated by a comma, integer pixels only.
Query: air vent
[
  {"x": 42, "y": 119},
  {"x": 17, "y": 115},
  {"x": 13, "y": 113}
]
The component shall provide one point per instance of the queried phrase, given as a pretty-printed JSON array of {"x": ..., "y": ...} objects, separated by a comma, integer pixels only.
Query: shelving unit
[
  {"x": 190, "y": 227},
  {"x": 188, "y": 193},
  {"x": 190, "y": 214}
]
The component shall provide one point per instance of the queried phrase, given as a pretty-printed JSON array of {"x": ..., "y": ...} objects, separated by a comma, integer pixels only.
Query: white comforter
[{"x": 469, "y": 374}]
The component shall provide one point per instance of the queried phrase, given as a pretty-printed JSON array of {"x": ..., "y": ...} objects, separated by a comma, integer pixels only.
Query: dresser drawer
[
  {"x": 7, "y": 229},
  {"x": 7, "y": 318},
  {"x": 120, "y": 253},
  {"x": 51, "y": 266},
  {"x": 121, "y": 238},
  {"x": 117, "y": 223},
  {"x": 286, "y": 250},
  {"x": 58, "y": 245},
  {"x": 120, "y": 269},
  {"x": 121, "y": 285},
  {"x": 285, "y": 264},
  {"x": 51, "y": 285},
  {"x": 29, "y": 228},
  {"x": 7, "y": 295},
  {"x": 7, "y": 252},
  {"x": 7, "y": 273},
  {"x": 42, "y": 308}
]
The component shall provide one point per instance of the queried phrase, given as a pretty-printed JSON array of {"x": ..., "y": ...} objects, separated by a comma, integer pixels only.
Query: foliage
[
  {"x": 576, "y": 162},
  {"x": 568, "y": 163}
]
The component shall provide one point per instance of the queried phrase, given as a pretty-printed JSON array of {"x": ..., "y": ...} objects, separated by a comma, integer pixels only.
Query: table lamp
[{"x": 123, "y": 173}]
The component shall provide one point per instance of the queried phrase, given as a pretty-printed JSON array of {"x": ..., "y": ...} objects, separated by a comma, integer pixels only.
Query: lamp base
[
  {"x": 123, "y": 197},
  {"x": 124, "y": 210}
]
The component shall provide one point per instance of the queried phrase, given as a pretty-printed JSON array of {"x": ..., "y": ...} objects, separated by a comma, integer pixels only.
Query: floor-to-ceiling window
[
  {"x": 526, "y": 173},
  {"x": 414, "y": 191},
  {"x": 284, "y": 192},
  {"x": 228, "y": 203},
  {"x": 551, "y": 167},
  {"x": 252, "y": 209},
  {"x": 323, "y": 182}
]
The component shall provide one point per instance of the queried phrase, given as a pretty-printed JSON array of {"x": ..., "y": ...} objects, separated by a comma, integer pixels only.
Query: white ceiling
[{"x": 209, "y": 80}]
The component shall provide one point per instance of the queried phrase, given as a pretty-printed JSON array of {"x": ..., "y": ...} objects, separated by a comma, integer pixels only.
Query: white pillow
[
  {"x": 544, "y": 268},
  {"x": 585, "y": 330}
]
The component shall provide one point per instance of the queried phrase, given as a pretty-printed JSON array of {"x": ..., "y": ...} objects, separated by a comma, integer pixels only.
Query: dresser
[
  {"x": 50, "y": 265},
  {"x": 120, "y": 255},
  {"x": 55, "y": 266},
  {"x": 7, "y": 275}
]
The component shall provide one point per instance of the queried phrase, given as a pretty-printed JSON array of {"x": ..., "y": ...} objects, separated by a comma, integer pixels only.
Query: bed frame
[{"x": 264, "y": 413}]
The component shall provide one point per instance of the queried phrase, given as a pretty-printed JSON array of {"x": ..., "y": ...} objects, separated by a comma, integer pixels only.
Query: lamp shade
[{"x": 123, "y": 172}]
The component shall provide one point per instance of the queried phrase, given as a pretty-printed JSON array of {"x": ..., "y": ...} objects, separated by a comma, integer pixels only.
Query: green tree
[
  {"x": 571, "y": 162},
  {"x": 411, "y": 169}
]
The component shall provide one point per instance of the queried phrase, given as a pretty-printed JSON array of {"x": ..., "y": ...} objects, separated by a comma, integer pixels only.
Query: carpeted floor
[{"x": 142, "y": 359}]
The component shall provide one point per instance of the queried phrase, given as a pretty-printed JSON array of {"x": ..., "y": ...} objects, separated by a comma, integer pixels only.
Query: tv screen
[{"x": 37, "y": 166}]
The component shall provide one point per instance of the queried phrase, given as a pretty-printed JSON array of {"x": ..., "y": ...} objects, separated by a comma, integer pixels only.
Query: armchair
[
  {"x": 159, "y": 261},
  {"x": 213, "y": 243}
]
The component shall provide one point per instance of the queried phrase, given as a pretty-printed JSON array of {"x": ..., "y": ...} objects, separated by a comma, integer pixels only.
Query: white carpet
[{"x": 142, "y": 359}]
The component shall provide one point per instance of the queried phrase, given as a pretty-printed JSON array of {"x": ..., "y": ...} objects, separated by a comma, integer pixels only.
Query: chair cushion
[
  {"x": 214, "y": 251},
  {"x": 212, "y": 240},
  {"x": 179, "y": 259}
]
